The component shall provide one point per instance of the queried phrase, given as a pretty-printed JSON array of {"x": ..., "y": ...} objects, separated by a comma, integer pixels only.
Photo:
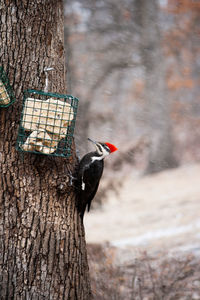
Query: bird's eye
[{"x": 107, "y": 148}]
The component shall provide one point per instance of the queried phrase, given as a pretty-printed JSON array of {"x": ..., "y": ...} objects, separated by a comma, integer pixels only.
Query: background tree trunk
[
  {"x": 161, "y": 155},
  {"x": 43, "y": 251}
]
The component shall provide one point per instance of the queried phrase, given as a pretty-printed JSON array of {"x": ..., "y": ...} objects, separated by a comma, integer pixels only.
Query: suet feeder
[
  {"x": 6, "y": 93},
  {"x": 47, "y": 123}
]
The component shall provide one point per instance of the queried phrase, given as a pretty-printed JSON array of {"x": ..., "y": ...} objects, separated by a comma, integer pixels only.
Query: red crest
[{"x": 111, "y": 147}]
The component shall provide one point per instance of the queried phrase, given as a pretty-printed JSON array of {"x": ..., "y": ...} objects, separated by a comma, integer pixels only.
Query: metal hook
[{"x": 46, "y": 70}]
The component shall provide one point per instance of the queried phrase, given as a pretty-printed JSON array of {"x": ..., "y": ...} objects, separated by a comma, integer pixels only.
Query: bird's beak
[{"x": 92, "y": 141}]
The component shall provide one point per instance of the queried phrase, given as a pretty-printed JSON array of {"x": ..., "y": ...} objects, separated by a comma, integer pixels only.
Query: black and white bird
[{"x": 89, "y": 174}]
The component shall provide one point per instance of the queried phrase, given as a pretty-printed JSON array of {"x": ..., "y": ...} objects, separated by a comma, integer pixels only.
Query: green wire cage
[
  {"x": 6, "y": 93},
  {"x": 47, "y": 123}
]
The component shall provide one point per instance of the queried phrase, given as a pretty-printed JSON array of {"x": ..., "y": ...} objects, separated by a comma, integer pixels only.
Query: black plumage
[{"x": 89, "y": 174}]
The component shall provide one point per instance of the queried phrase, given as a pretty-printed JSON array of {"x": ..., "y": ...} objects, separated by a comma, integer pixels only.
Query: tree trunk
[
  {"x": 161, "y": 154},
  {"x": 43, "y": 251}
]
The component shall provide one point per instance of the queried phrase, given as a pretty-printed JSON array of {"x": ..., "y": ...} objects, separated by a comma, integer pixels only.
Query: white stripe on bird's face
[{"x": 102, "y": 149}]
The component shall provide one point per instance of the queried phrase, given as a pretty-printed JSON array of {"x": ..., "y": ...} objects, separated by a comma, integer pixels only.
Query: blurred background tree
[
  {"x": 158, "y": 105},
  {"x": 135, "y": 66}
]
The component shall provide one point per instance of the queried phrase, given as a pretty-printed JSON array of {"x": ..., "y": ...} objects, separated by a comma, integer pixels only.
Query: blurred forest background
[{"x": 135, "y": 66}]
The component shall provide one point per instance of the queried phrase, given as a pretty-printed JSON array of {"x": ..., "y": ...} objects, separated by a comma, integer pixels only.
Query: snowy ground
[{"x": 158, "y": 212}]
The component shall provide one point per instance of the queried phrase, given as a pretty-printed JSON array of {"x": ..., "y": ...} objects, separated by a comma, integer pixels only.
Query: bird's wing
[
  {"x": 88, "y": 181},
  {"x": 83, "y": 187},
  {"x": 92, "y": 196},
  {"x": 82, "y": 179}
]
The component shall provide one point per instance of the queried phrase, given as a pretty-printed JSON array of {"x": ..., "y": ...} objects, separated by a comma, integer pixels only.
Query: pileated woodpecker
[{"x": 90, "y": 172}]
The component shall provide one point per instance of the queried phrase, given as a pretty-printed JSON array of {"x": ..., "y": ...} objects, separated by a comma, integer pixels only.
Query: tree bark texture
[
  {"x": 161, "y": 154},
  {"x": 42, "y": 242}
]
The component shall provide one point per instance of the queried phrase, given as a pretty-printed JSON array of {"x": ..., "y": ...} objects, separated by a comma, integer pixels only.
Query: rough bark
[
  {"x": 42, "y": 243},
  {"x": 161, "y": 155}
]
